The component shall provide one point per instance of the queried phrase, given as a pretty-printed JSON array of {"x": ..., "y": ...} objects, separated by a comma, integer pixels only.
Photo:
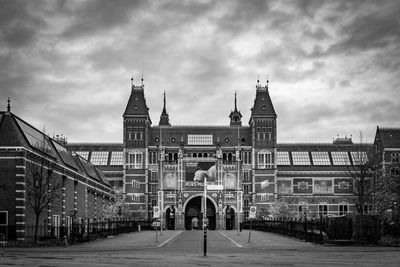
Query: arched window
[
  {"x": 205, "y": 155},
  {"x": 194, "y": 155},
  {"x": 175, "y": 157},
  {"x": 229, "y": 157},
  {"x": 170, "y": 157},
  {"x": 200, "y": 155}
]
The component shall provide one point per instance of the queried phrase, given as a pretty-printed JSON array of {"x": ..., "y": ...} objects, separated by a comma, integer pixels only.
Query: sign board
[
  {"x": 156, "y": 212},
  {"x": 252, "y": 212},
  {"x": 215, "y": 187}
]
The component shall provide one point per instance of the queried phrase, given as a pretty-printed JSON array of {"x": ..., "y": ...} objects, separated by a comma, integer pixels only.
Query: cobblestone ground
[{"x": 177, "y": 248}]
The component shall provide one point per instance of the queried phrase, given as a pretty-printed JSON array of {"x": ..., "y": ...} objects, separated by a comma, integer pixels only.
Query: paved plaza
[{"x": 184, "y": 248}]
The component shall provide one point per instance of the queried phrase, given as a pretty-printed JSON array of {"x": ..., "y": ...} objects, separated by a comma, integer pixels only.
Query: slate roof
[
  {"x": 137, "y": 103},
  {"x": 262, "y": 104},
  {"x": 390, "y": 137},
  {"x": 16, "y": 132},
  {"x": 222, "y": 135}
]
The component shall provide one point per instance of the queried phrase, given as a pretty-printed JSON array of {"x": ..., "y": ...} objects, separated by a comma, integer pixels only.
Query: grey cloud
[
  {"x": 374, "y": 30},
  {"x": 18, "y": 25},
  {"x": 92, "y": 17}
]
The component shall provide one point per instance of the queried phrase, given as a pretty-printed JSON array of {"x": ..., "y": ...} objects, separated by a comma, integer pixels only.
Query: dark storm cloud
[
  {"x": 18, "y": 26},
  {"x": 375, "y": 29},
  {"x": 62, "y": 61},
  {"x": 91, "y": 17}
]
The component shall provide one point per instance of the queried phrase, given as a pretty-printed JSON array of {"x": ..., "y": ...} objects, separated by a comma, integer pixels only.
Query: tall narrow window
[
  {"x": 135, "y": 160},
  {"x": 265, "y": 160}
]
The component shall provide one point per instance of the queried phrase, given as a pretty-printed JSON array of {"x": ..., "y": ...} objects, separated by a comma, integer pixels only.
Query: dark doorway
[
  {"x": 194, "y": 214},
  {"x": 170, "y": 217},
  {"x": 229, "y": 218}
]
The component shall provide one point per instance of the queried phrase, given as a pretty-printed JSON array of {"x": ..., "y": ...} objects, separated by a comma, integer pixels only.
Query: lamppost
[{"x": 205, "y": 217}]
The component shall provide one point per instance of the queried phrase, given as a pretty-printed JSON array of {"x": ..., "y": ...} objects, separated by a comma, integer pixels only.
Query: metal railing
[{"x": 77, "y": 232}]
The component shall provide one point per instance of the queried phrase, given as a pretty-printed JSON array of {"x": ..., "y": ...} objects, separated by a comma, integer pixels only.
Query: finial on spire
[
  {"x": 267, "y": 81},
  {"x": 132, "y": 81},
  {"x": 142, "y": 80},
  {"x": 8, "y": 104},
  {"x": 258, "y": 81},
  {"x": 165, "y": 100},
  {"x": 235, "y": 101}
]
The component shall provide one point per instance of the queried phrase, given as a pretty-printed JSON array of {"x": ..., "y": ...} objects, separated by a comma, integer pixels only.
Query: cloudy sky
[{"x": 333, "y": 66}]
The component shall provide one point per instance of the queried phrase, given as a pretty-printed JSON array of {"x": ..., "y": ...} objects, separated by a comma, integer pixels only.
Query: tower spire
[
  {"x": 132, "y": 81},
  {"x": 235, "y": 101},
  {"x": 164, "y": 118},
  {"x": 267, "y": 81},
  {"x": 165, "y": 109},
  {"x": 258, "y": 81},
  {"x": 142, "y": 80},
  {"x": 8, "y": 104}
]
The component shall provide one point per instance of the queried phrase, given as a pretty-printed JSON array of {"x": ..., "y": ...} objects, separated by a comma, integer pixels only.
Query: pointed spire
[
  {"x": 235, "y": 101},
  {"x": 267, "y": 81},
  {"x": 164, "y": 118},
  {"x": 258, "y": 81},
  {"x": 8, "y": 104},
  {"x": 132, "y": 81},
  {"x": 142, "y": 80},
  {"x": 165, "y": 109}
]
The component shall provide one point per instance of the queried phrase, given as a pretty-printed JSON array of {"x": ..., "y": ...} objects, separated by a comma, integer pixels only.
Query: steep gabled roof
[
  {"x": 390, "y": 137},
  {"x": 263, "y": 106},
  {"x": 137, "y": 103}
]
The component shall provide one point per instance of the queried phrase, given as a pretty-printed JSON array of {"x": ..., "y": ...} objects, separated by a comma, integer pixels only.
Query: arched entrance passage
[
  {"x": 170, "y": 218},
  {"x": 229, "y": 218},
  {"x": 193, "y": 213}
]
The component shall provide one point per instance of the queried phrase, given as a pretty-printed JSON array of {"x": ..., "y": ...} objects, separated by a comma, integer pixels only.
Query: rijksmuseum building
[{"x": 164, "y": 165}]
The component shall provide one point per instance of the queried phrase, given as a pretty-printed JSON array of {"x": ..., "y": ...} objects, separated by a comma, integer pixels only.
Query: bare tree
[
  {"x": 387, "y": 192},
  {"x": 41, "y": 184},
  {"x": 361, "y": 171}
]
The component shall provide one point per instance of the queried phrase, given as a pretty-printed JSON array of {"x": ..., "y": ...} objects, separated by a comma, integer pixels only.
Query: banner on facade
[
  {"x": 230, "y": 180},
  {"x": 197, "y": 171},
  {"x": 170, "y": 180}
]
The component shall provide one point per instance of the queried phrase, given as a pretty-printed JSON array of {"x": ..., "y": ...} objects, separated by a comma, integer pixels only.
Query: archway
[
  {"x": 170, "y": 218},
  {"x": 229, "y": 218},
  {"x": 193, "y": 213}
]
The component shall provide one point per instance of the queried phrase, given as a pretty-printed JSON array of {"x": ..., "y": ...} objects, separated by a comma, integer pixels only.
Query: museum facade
[{"x": 164, "y": 165}]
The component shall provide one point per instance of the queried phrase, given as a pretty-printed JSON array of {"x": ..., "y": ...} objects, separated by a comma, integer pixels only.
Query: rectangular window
[
  {"x": 320, "y": 158},
  {"x": 358, "y": 157},
  {"x": 246, "y": 203},
  {"x": 99, "y": 158},
  {"x": 117, "y": 158},
  {"x": 154, "y": 177},
  {"x": 154, "y": 202},
  {"x": 247, "y": 157},
  {"x": 153, "y": 188},
  {"x": 135, "y": 184},
  {"x": 340, "y": 158},
  {"x": 246, "y": 189},
  {"x": 395, "y": 157},
  {"x": 322, "y": 210},
  {"x": 301, "y": 158},
  {"x": 200, "y": 139},
  {"x": 134, "y": 160},
  {"x": 3, "y": 217},
  {"x": 246, "y": 176},
  {"x": 343, "y": 209},
  {"x": 265, "y": 160},
  {"x": 367, "y": 208},
  {"x": 135, "y": 198},
  {"x": 283, "y": 158}
]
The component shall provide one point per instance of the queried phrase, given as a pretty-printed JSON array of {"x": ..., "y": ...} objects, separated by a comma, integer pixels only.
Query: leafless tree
[
  {"x": 41, "y": 184},
  {"x": 387, "y": 192},
  {"x": 361, "y": 172}
]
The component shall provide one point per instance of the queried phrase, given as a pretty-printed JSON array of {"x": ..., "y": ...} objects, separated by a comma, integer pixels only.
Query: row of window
[
  {"x": 320, "y": 158},
  {"x": 395, "y": 157},
  {"x": 101, "y": 157}
]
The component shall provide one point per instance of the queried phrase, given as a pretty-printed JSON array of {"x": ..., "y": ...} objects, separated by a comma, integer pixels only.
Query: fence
[
  {"x": 336, "y": 230},
  {"x": 77, "y": 232}
]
